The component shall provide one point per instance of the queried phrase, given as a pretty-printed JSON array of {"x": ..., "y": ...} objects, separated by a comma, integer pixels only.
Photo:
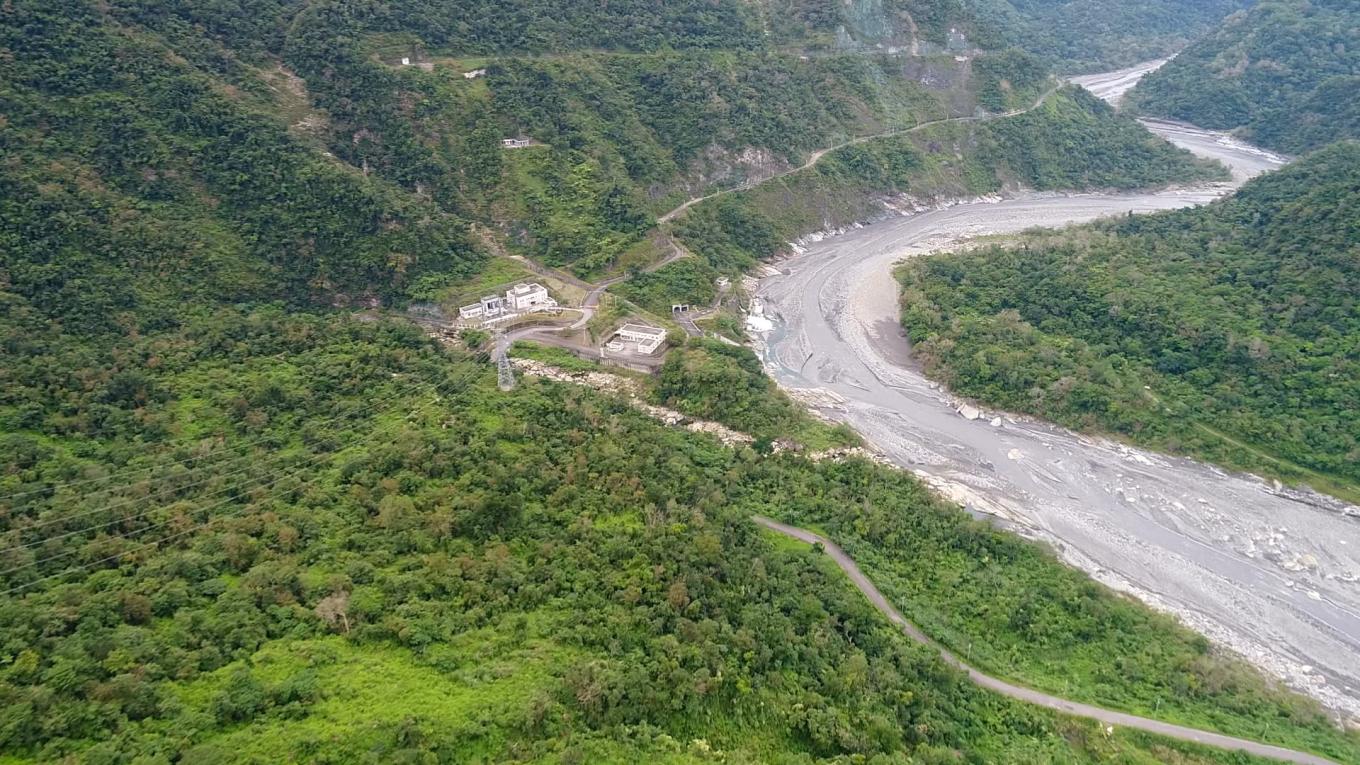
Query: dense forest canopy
[
  {"x": 1241, "y": 318},
  {"x": 1094, "y": 35},
  {"x": 242, "y": 522},
  {"x": 370, "y": 554},
  {"x": 1285, "y": 74}
]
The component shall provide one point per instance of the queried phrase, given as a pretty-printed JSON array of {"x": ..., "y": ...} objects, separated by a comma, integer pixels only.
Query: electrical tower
[{"x": 505, "y": 373}]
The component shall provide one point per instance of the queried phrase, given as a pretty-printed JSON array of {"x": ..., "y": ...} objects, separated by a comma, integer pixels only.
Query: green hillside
[
  {"x": 1240, "y": 318},
  {"x": 323, "y": 539},
  {"x": 248, "y": 515},
  {"x": 1071, "y": 140},
  {"x": 133, "y": 181},
  {"x": 1095, "y": 35},
  {"x": 1284, "y": 74}
]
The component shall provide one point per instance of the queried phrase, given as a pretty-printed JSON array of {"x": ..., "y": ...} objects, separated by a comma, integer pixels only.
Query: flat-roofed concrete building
[
  {"x": 488, "y": 307},
  {"x": 526, "y": 296},
  {"x": 648, "y": 339}
]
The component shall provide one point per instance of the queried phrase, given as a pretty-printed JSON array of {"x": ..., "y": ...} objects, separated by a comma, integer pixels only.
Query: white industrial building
[
  {"x": 518, "y": 299},
  {"x": 525, "y": 297},
  {"x": 486, "y": 308},
  {"x": 648, "y": 339}
]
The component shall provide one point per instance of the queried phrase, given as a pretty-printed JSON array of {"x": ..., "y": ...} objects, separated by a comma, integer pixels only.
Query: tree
[{"x": 334, "y": 609}]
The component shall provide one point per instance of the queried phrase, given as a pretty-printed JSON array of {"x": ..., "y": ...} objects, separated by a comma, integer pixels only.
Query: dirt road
[
  {"x": 1107, "y": 716},
  {"x": 817, "y": 155}
]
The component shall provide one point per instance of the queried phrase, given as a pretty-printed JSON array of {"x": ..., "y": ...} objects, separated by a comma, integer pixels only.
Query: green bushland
[
  {"x": 558, "y": 357},
  {"x": 1007, "y": 607},
  {"x": 371, "y": 554},
  {"x": 1071, "y": 140},
  {"x": 1076, "y": 141},
  {"x": 688, "y": 280},
  {"x": 717, "y": 381},
  {"x": 1284, "y": 74},
  {"x": 132, "y": 183},
  {"x": 1010, "y": 80},
  {"x": 1238, "y": 317}
]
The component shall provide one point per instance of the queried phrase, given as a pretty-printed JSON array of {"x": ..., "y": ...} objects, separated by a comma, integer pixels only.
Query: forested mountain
[
  {"x": 1285, "y": 74},
  {"x": 1240, "y": 318},
  {"x": 240, "y": 522},
  {"x": 317, "y": 168},
  {"x": 1094, "y": 35}
]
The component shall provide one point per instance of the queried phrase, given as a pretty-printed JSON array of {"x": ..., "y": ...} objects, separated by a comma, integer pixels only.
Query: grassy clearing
[{"x": 558, "y": 357}]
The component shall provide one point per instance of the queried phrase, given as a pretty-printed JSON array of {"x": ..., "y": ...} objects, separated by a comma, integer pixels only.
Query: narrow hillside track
[
  {"x": 1029, "y": 695},
  {"x": 819, "y": 154}
]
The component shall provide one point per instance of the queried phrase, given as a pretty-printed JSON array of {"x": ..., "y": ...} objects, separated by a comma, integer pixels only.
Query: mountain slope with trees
[
  {"x": 325, "y": 539},
  {"x": 1070, "y": 140},
  {"x": 1284, "y": 75},
  {"x": 242, "y": 521},
  {"x": 1240, "y": 318},
  {"x": 1093, "y": 35}
]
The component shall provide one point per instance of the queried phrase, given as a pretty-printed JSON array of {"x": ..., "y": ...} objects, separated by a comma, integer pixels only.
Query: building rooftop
[
  {"x": 643, "y": 329},
  {"x": 525, "y": 288}
]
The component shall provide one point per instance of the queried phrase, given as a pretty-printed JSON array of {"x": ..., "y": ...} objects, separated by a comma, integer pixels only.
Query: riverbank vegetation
[
  {"x": 1284, "y": 74},
  {"x": 1226, "y": 332},
  {"x": 1007, "y": 607},
  {"x": 1072, "y": 140},
  {"x": 717, "y": 381}
]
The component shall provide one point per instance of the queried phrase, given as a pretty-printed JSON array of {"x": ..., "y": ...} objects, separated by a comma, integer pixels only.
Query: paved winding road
[
  {"x": 1107, "y": 716},
  {"x": 1271, "y": 573}
]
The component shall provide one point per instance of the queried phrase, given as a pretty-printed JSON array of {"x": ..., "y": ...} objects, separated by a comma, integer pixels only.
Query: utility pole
[{"x": 505, "y": 373}]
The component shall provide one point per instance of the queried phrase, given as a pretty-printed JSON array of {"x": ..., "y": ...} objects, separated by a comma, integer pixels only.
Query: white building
[
  {"x": 518, "y": 299},
  {"x": 648, "y": 339},
  {"x": 474, "y": 74},
  {"x": 528, "y": 296},
  {"x": 405, "y": 60},
  {"x": 514, "y": 143},
  {"x": 488, "y": 307}
]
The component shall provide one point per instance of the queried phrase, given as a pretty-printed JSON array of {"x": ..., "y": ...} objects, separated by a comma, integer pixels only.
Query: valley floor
[{"x": 1271, "y": 573}]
